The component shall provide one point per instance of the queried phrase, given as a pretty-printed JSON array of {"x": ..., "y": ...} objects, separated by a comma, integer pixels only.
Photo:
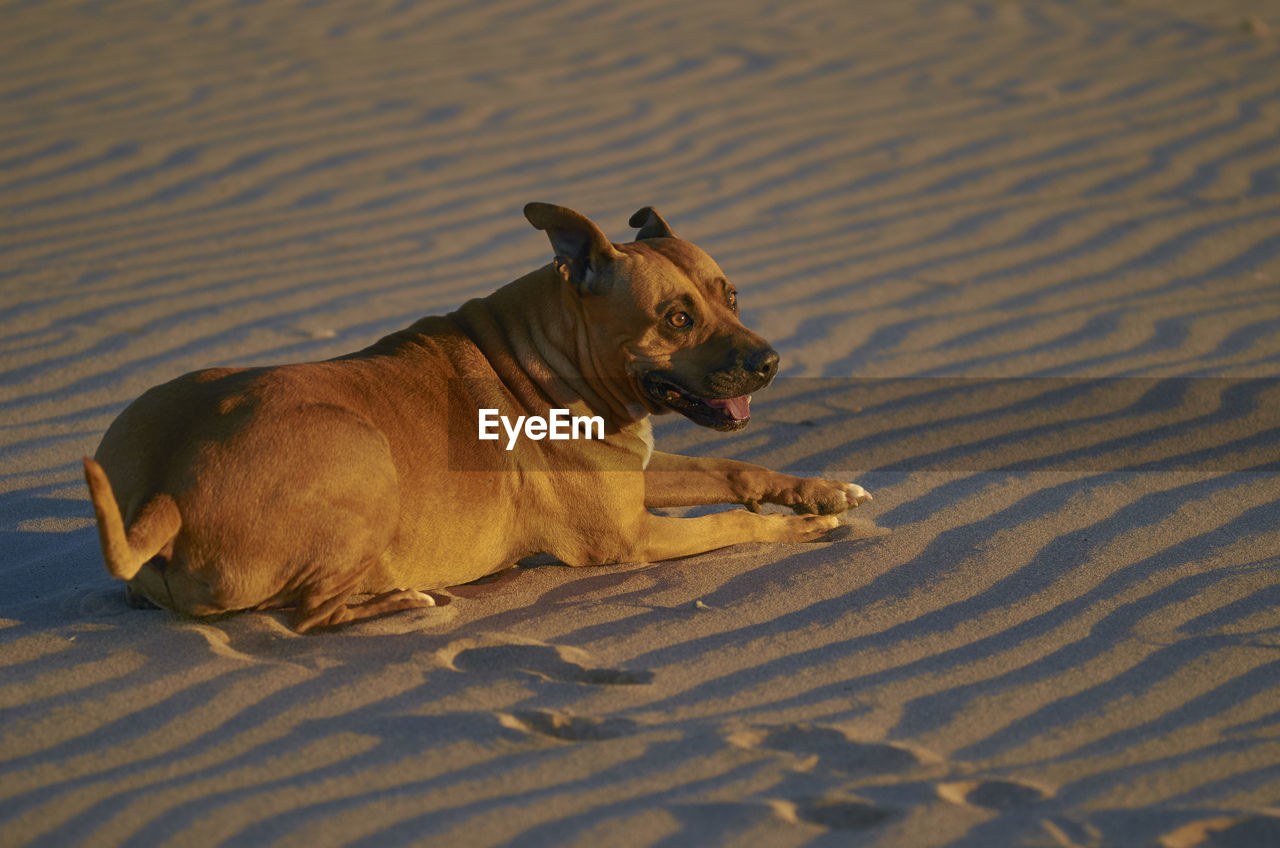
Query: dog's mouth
[{"x": 727, "y": 414}]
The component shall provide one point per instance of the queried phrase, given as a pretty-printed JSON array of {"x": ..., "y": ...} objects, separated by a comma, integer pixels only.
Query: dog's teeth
[{"x": 672, "y": 395}]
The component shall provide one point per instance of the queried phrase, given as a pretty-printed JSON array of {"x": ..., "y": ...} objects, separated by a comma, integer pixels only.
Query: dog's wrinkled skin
[{"x": 301, "y": 485}]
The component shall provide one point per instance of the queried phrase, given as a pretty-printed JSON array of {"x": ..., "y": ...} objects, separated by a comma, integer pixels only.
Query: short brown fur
[{"x": 301, "y": 485}]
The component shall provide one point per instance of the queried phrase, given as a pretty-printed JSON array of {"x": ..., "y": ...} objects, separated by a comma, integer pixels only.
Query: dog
[{"x": 300, "y": 486}]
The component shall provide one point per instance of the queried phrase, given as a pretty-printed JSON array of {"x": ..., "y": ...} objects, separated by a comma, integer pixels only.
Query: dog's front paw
[
  {"x": 826, "y": 497},
  {"x": 855, "y": 495},
  {"x": 799, "y": 528}
]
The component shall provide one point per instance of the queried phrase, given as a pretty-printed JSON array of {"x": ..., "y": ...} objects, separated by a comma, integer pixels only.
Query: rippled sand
[{"x": 1022, "y": 261}]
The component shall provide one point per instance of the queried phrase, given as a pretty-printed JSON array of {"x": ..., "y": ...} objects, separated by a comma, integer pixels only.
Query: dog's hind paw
[{"x": 413, "y": 598}]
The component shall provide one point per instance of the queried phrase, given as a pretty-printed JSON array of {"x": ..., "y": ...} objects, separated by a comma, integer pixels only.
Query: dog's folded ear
[
  {"x": 651, "y": 224},
  {"x": 582, "y": 250}
]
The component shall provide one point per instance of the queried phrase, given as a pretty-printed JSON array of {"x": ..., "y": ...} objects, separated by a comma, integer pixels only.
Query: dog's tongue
[{"x": 739, "y": 408}]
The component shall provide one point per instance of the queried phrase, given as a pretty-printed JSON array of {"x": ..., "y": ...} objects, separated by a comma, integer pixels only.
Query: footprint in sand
[
  {"x": 834, "y": 813},
  {"x": 570, "y": 728},
  {"x": 992, "y": 794},
  {"x": 834, "y": 751},
  {"x": 548, "y": 662}
]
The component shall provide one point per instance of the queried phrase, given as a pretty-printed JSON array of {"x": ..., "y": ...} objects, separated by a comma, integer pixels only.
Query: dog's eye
[
  {"x": 731, "y": 297},
  {"x": 680, "y": 320}
]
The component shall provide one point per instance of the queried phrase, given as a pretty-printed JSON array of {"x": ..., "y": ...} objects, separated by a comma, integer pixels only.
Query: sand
[{"x": 1022, "y": 263}]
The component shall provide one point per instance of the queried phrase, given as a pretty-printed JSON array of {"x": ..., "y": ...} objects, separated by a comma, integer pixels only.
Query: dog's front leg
[
  {"x": 674, "y": 480},
  {"x": 665, "y": 537}
]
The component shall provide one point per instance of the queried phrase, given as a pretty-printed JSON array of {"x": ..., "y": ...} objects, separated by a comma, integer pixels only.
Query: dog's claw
[{"x": 856, "y": 495}]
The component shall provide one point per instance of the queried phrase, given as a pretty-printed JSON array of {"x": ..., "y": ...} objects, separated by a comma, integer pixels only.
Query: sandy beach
[{"x": 1021, "y": 261}]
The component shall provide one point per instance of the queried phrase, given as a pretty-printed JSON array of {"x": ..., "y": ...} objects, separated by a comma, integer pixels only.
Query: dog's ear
[
  {"x": 581, "y": 249},
  {"x": 651, "y": 224}
]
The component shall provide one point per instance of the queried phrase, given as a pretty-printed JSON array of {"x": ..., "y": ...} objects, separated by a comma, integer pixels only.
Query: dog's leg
[
  {"x": 136, "y": 599},
  {"x": 664, "y": 537},
  {"x": 315, "y": 611},
  {"x": 674, "y": 480}
]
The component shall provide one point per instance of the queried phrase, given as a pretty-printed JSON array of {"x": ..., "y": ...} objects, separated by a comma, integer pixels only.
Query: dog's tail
[{"x": 153, "y": 529}]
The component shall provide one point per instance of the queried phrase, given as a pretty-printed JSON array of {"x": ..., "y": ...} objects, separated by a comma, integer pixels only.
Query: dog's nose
[{"x": 763, "y": 363}]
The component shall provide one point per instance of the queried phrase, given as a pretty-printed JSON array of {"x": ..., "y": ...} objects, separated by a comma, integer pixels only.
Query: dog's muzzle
[{"x": 721, "y": 399}]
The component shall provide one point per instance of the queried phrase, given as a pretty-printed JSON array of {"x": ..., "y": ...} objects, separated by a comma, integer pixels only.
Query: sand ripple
[{"x": 1022, "y": 262}]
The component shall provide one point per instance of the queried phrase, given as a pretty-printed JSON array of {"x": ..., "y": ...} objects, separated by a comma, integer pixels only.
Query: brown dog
[{"x": 301, "y": 485}]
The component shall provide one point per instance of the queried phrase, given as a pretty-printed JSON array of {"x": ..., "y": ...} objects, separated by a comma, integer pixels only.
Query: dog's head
[{"x": 662, "y": 316}]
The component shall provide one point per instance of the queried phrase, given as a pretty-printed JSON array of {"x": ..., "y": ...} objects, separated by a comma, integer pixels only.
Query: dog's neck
[{"x": 539, "y": 322}]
